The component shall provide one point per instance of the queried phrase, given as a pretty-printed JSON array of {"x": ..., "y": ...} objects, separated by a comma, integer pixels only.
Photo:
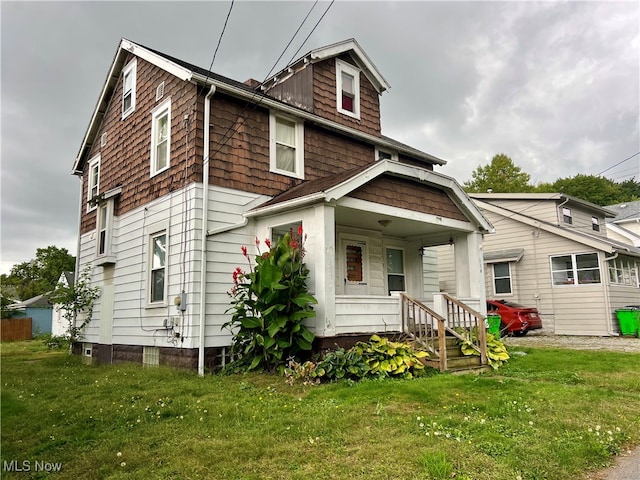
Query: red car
[{"x": 516, "y": 319}]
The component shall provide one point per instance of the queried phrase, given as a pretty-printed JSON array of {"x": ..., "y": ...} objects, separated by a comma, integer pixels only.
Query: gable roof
[
  {"x": 625, "y": 211},
  {"x": 334, "y": 187},
  {"x": 197, "y": 75},
  {"x": 39, "y": 301},
  {"x": 594, "y": 241},
  {"x": 543, "y": 197},
  {"x": 350, "y": 46}
]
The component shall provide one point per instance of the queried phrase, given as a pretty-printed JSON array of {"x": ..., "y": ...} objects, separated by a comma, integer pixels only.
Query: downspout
[
  {"x": 607, "y": 302},
  {"x": 566, "y": 200},
  {"x": 205, "y": 223},
  {"x": 77, "y": 267}
]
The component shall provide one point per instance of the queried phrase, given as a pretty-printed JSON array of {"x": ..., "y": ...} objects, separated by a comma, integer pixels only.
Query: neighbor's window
[
  {"x": 286, "y": 137},
  {"x": 94, "y": 182},
  {"x": 129, "y": 89},
  {"x": 158, "y": 264},
  {"x": 566, "y": 215},
  {"x": 160, "y": 137},
  {"x": 502, "y": 278},
  {"x": 623, "y": 271},
  {"x": 348, "y": 89},
  {"x": 575, "y": 269},
  {"x": 395, "y": 270},
  {"x": 595, "y": 224}
]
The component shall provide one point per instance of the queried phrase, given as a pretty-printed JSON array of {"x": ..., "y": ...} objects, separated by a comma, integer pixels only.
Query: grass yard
[{"x": 549, "y": 414}]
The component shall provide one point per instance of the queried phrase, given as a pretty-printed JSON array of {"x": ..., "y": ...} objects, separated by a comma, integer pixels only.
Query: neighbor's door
[{"x": 355, "y": 266}]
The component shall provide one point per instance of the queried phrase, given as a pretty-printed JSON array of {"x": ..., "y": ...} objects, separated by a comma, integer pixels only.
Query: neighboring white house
[
  {"x": 625, "y": 227},
  {"x": 59, "y": 324}
]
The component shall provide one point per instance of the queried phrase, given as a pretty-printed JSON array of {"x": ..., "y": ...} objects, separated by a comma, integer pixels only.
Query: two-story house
[
  {"x": 551, "y": 251},
  {"x": 181, "y": 167}
]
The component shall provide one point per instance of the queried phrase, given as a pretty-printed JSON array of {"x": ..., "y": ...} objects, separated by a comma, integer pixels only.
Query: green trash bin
[
  {"x": 629, "y": 320},
  {"x": 494, "y": 324}
]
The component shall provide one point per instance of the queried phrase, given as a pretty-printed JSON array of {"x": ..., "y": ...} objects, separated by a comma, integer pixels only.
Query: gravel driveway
[{"x": 616, "y": 344}]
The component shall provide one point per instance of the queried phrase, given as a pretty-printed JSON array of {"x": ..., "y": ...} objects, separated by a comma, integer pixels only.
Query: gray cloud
[{"x": 552, "y": 84}]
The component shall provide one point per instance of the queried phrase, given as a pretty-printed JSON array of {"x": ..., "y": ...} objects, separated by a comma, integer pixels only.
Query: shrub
[
  {"x": 269, "y": 304},
  {"x": 387, "y": 359},
  {"x": 496, "y": 351}
]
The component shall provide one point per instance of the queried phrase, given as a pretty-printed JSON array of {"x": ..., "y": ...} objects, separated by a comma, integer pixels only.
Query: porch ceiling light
[{"x": 384, "y": 223}]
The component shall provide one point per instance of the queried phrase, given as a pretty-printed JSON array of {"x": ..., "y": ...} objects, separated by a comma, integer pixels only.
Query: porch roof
[{"x": 335, "y": 187}]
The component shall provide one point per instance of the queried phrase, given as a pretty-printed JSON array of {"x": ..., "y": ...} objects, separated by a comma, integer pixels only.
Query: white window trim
[
  {"x": 156, "y": 113},
  {"x": 299, "y": 136},
  {"x": 626, "y": 268},
  {"x": 93, "y": 163},
  {"x": 131, "y": 67},
  {"x": 394, "y": 155},
  {"x": 359, "y": 240},
  {"x": 574, "y": 268},
  {"x": 107, "y": 256},
  {"x": 493, "y": 273},
  {"x": 566, "y": 213},
  {"x": 150, "y": 269},
  {"x": 355, "y": 73}
]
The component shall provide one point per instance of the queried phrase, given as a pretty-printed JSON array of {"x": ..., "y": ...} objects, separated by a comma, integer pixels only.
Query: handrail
[
  {"x": 429, "y": 328},
  {"x": 461, "y": 316}
]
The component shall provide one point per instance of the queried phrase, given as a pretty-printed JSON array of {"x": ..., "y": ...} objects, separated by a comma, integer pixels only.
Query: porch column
[
  {"x": 321, "y": 252},
  {"x": 469, "y": 267}
]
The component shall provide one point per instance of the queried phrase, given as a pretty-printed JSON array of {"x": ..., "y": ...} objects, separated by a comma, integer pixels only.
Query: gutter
[{"x": 205, "y": 221}]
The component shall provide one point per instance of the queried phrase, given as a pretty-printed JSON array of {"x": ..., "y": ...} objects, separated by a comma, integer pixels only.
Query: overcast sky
[{"x": 554, "y": 85}]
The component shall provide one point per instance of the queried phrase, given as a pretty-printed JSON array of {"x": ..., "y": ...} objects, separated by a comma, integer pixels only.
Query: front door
[{"x": 355, "y": 266}]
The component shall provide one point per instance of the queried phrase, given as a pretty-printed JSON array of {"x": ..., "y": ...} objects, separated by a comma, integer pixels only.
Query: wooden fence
[{"x": 12, "y": 329}]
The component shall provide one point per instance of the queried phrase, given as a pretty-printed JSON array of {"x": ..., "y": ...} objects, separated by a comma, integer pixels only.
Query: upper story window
[
  {"x": 160, "y": 137},
  {"x": 94, "y": 182},
  {"x": 386, "y": 155},
  {"x": 566, "y": 215},
  {"x": 348, "y": 89},
  {"x": 129, "y": 89},
  {"x": 595, "y": 224},
  {"x": 286, "y": 141}
]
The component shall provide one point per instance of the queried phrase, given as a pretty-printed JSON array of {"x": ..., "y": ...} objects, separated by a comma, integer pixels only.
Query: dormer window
[
  {"x": 348, "y": 89},
  {"x": 595, "y": 224},
  {"x": 566, "y": 215},
  {"x": 129, "y": 89},
  {"x": 386, "y": 155}
]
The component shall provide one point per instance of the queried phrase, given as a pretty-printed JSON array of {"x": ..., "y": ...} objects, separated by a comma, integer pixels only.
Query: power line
[
  {"x": 235, "y": 125},
  {"x": 613, "y": 166}
]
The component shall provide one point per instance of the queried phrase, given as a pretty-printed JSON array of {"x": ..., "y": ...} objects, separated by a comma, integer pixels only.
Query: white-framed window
[
  {"x": 595, "y": 224},
  {"x": 566, "y": 215},
  {"x": 395, "y": 270},
  {"x": 385, "y": 154},
  {"x": 348, "y": 89},
  {"x": 286, "y": 145},
  {"x": 104, "y": 227},
  {"x": 623, "y": 271},
  {"x": 161, "y": 137},
  {"x": 502, "y": 278},
  {"x": 93, "y": 188},
  {"x": 575, "y": 269},
  {"x": 129, "y": 88},
  {"x": 157, "y": 267}
]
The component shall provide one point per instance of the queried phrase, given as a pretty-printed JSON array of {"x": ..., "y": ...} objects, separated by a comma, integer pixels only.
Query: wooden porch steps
[{"x": 457, "y": 362}]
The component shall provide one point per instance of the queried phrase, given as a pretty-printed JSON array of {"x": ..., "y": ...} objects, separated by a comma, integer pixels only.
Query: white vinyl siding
[
  {"x": 129, "y": 88},
  {"x": 161, "y": 137},
  {"x": 286, "y": 145}
]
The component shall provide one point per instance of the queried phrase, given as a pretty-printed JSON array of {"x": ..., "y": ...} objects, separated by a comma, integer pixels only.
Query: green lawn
[{"x": 550, "y": 414}]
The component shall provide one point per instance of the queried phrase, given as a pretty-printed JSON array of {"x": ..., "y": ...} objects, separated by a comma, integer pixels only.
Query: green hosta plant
[
  {"x": 496, "y": 351},
  {"x": 269, "y": 304},
  {"x": 342, "y": 363},
  {"x": 386, "y": 358}
]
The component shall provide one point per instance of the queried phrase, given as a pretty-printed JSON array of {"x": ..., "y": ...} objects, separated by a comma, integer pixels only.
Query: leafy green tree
[
  {"x": 594, "y": 189},
  {"x": 41, "y": 274},
  {"x": 630, "y": 190},
  {"x": 500, "y": 176}
]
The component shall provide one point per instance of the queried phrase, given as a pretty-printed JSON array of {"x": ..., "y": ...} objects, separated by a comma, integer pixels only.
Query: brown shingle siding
[
  {"x": 407, "y": 194},
  {"x": 125, "y": 159}
]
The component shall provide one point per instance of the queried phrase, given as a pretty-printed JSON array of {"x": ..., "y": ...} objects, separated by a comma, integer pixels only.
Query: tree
[
  {"x": 40, "y": 275},
  {"x": 74, "y": 301},
  {"x": 500, "y": 176},
  {"x": 594, "y": 189},
  {"x": 630, "y": 190}
]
